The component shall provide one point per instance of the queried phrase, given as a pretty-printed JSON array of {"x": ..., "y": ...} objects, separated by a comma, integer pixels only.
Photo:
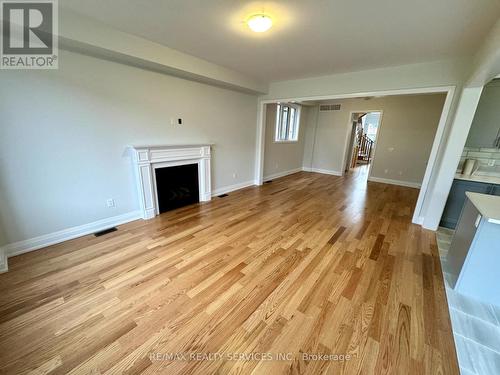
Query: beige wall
[
  {"x": 309, "y": 135},
  {"x": 409, "y": 125},
  {"x": 63, "y": 137},
  {"x": 404, "y": 142},
  {"x": 283, "y": 157},
  {"x": 329, "y": 142},
  {"x": 430, "y": 74},
  {"x": 3, "y": 240}
]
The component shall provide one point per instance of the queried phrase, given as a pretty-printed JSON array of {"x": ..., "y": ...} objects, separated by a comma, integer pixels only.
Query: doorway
[
  {"x": 448, "y": 91},
  {"x": 365, "y": 126}
]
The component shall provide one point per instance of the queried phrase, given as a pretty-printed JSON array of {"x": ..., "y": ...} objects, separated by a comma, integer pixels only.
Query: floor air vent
[{"x": 105, "y": 231}]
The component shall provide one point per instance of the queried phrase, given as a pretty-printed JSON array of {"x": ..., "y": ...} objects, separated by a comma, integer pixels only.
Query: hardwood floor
[{"x": 308, "y": 264}]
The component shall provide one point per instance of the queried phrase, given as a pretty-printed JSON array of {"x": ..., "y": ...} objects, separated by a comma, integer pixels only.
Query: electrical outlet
[
  {"x": 235, "y": 175},
  {"x": 386, "y": 171},
  {"x": 172, "y": 121},
  {"x": 110, "y": 202},
  {"x": 491, "y": 162}
]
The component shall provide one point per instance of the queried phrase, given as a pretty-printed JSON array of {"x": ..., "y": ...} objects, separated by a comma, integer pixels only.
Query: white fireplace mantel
[{"x": 147, "y": 158}]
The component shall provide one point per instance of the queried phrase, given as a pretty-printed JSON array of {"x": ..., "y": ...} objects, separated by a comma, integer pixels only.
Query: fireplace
[
  {"x": 176, "y": 186},
  {"x": 155, "y": 185}
]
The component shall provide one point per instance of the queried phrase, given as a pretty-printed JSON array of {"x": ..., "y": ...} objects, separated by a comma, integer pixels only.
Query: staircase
[{"x": 364, "y": 148}]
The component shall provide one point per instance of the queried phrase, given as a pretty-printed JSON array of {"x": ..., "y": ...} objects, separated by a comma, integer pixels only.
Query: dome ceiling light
[{"x": 260, "y": 23}]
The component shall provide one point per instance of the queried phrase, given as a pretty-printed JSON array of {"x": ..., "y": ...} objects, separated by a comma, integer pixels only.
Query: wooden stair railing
[{"x": 365, "y": 147}]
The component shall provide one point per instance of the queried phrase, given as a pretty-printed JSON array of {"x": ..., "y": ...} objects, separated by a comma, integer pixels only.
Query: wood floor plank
[{"x": 308, "y": 270}]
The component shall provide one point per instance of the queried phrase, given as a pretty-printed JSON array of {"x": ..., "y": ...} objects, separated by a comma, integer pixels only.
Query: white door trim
[
  {"x": 346, "y": 145},
  {"x": 417, "y": 217}
]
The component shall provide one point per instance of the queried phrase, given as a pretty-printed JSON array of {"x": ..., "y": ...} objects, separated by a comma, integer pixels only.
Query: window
[{"x": 287, "y": 123}]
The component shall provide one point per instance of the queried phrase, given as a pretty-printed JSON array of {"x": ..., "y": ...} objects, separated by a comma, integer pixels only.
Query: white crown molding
[
  {"x": 45, "y": 240},
  {"x": 415, "y": 185}
]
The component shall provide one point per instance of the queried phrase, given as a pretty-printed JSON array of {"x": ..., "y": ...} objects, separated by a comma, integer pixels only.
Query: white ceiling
[{"x": 309, "y": 37}]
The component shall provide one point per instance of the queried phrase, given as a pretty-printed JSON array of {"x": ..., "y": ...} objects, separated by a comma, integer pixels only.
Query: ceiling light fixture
[{"x": 260, "y": 23}]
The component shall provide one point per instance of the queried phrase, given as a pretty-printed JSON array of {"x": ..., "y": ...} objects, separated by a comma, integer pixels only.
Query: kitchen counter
[
  {"x": 474, "y": 253},
  {"x": 484, "y": 183},
  {"x": 489, "y": 179},
  {"x": 487, "y": 205}
]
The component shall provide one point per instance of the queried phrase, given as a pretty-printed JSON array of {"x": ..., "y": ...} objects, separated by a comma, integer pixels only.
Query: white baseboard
[
  {"x": 320, "y": 170},
  {"x": 395, "y": 182},
  {"x": 282, "y": 174},
  {"x": 3, "y": 261},
  {"x": 230, "y": 188},
  {"x": 419, "y": 220},
  {"x": 45, "y": 240}
]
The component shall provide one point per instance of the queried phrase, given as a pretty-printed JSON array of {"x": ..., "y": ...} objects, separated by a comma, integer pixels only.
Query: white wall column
[{"x": 445, "y": 172}]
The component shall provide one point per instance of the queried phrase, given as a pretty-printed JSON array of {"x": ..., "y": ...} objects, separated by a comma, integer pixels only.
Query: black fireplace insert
[{"x": 177, "y": 186}]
